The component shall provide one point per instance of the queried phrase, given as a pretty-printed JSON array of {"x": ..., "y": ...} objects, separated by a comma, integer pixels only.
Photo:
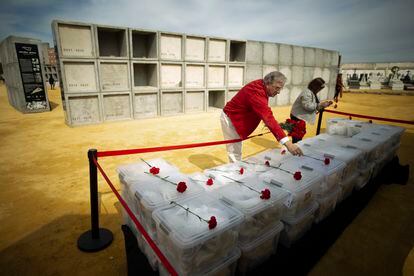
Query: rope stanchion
[
  {"x": 370, "y": 117},
  {"x": 151, "y": 243}
]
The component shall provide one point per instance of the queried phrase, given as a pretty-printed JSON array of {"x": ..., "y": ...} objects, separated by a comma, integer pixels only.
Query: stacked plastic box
[
  {"x": 345, "y": 127},
  {"x": 186, "y": 239}
]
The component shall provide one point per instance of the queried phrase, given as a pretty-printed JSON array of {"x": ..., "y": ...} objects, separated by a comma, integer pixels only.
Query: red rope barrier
[
  {"x": 151, "y": 243},
  {"x": 165, "y": 148},
  {"x": 371, "y": 117}
]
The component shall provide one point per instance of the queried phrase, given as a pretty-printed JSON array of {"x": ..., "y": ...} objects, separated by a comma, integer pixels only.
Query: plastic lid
[
  {"x": 135, "y": 171},
  {"x": 249, "y": 201},
  {"x": 274, "y": 156},
  {"x": 225, "y": 173},
  {"x": 272, "y": 232},
  {"x": 187, "y": 230},
  {"x": 201, "y": 179},
  {"x": 316, "y": 161}
]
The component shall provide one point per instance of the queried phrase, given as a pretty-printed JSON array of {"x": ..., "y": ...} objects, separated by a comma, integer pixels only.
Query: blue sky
[{"x": 362, "y": 31}]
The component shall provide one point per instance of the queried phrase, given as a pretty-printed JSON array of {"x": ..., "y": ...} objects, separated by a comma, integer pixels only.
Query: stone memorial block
[
  {"x": 114, "y": 76},
  {"x": 326, "y": 73},
  {"x": 283, "y": 97},
  {"x": 253, "y": 72},
  {"x": 216, "y": 99},
  {"x": 318, "y": 57},
  {"x": 112, "y": 42},
  {"x": 216, "y": 76},
  {"x": 297, "y": 75},
  {"x": 327, "y": 58},
  {"x": 237, "y": 51},
  {"x": 333, "y": 75},
  {"x": 195, "y": 48},
  {"x": 235, "y": 76},
  {"x": 171, "y": 103},
  {"x": 335, "y": 59},
  {"x": 298, "y": 55},
  {"x": 144, "y": 44},
  {"x": 217, "y": 50},
  {"x": 317, "y": 73},
  {"x": 145, "y": 105},
  {"x": 309, "y": 57},
  {"x": 116, "y": 106},
  {"x": 269, "y": 68},
  {"x": 194, "y": 101},
  {"x": 170, "y": 46},
  {"x": 80, "y": 76},
  {"x": 75, "y": 40},
  {"x": 145, "y": 76},
  {"x": 285, "y": 54},
  {"x": 83, "y": 109},
  {"x": 323, "y": 94},
  {"x": 195, "y": 75},
  {"x": 171, "y": 75},
  {"x": 287, "y": 71},
  {"x": 270, "y": 53},
  {"x": 254, "y": 53},
  {"x": 294, "y": 93}
]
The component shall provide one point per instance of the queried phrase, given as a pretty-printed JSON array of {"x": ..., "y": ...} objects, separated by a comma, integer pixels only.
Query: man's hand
[{"x": 293, "y": 149}]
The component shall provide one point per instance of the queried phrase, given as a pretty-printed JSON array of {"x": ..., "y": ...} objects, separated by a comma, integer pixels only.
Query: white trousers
[{"x": 234, "y": 150}]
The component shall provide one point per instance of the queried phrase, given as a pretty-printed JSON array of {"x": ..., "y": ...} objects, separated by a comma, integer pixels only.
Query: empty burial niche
[
  {"x": 216, "y": 50},
  {"x": 172, "y": 103},
  {"x": 194, "y": 75},
  {"x": 112, "y": 42},
  {"x": 83, "y": 109},
  {"x": 145, "y": 105},
  {"x": 171, "y": 75},
  {"x": 80, "y": 76},
  {"x": 195, "y": 48},
  {"x": 75, "y": 40},
  {"x": 216, "y": 76},
  {"x": 194, "y": 101},
  {"x": 170, "y": 46},
  {"x": 117, "y": 106},
  {"x": 237, "y": 51},
  {"x": 236, "y": 76},
  {"x": 144, "y": 44},
  {"x": 216, "y": 99},
  {"x": 145, "y": 76}
]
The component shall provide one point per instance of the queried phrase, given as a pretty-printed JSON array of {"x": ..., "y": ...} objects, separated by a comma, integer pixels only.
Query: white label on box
[{"x": 288, "y": 201}]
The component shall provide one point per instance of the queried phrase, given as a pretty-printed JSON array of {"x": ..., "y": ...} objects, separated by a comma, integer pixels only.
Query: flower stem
[
  {"x": 313, "y": 157},
  {"x": 242, "y": 183},
  {"x": 146, "y": 162},
  {"x": 162, "y": 178},
  {"x": 188, "y": 210},
  {"x": 279, "y": 168}
]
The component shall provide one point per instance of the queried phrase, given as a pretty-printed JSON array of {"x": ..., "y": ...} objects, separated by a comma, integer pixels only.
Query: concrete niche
[
  {"x": 172, "y": 103},
  {"x": 75, "y": 40},
  {"x": 112, "y": 42},
  {"x": 195, "y": 75},
  {"x": 216, "y": 99},
  {"x": 283, "y": 97},
  {"x": 114, "y": 76},
  {"x": 171, "y": 75},
  {"x": 216, "y": 76},
  {"x": 254, "y": 52},
  {"x": 285, "y": 55},
  {"x": 145, "y": 105},
  {"x": 195, "y": 48},
  {"x": 253, "y": 72},
  {"x": 80, "y": 76},
  {"x": 294, "y": 93},
  {"x": 145, "y": 76},
  {"x": 298, "y": 56},
  {"x": 217, "y": 50},
  {"x": 194, "y": 101},
  {"x": 297, "y": 75},
  {"x": 144, "y": 44},
  {"x": 308, "y": 74},
  {"x": 270, "y": 53},
  {"x": 318, "y": 57},
  {"x": 309, "y": 57},
  {"x": 235, "y": 76},
  {"x": 231, "y": 93},
  {"x": 287, "y": 71},
  {"x": 171, "y": 46},
  {"x": 237, "y": 51},
  {"x": 116, "y": 106},
  {"x": 268, "y": 69},
  {"x": 84, "y": 109}
]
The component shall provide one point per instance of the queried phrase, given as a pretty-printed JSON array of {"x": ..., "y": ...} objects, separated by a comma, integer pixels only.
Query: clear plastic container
[
  {"x": 347, "y": 186},
  {"x": 259, "y": 250},
  {"x": 346, "y": 127},
  {"x": 187, "y": 240},
  {"x": 297, "y": 226},
  {"x": 364, "y": 176},
  {"x": 274, "y": 156},
  {"x": 151, "y": 192},
  {"x": 224, "y": 266},
  {"x": 327, "y": 204},
  {"x": 202, "y": 180},
  {"x": 301, "y": 192},
  {"x": 260, "y": 214},
  {"x": 229, "y": 172},
  {"x": 135, "y": 171}
]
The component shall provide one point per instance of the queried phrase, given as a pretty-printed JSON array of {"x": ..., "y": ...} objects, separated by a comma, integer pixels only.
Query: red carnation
[
  {"x": 241, "y": 171},
  {"x": 181, "y": 187},
  {"x": 283, "y": 151},
  {"x": 297, "y": 175},
  {"x": 212, "y": 223},
  {"x": 154, "y": 170},
  {"x": 210, "y": 182},
  {"x": 327, "y": 161},
  {"x": 265, "y": 194},
  {"x": 267, "y": 163}
]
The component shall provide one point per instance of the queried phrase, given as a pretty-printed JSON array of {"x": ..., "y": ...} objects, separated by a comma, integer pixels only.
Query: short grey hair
[{"x": 273, "y": 77}]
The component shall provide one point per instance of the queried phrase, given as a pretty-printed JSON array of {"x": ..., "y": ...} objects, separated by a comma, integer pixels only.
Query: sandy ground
[{"x": 44, "y": 198}]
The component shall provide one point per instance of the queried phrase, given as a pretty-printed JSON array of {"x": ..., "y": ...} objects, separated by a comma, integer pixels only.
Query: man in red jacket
[{"x": 243, "y": 113}]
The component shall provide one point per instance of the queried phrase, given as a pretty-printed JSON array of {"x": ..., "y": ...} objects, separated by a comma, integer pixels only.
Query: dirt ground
[{"x": 44, "y": 198}]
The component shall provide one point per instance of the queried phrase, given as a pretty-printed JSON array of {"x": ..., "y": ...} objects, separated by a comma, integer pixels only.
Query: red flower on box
[
  {"x": 212, "y": 223},
  {"x": 241, "y": 171},
  {"x": 210, "y": 181},
  {"x": 181, "y": 187},
  {"x": 283, "y": 152},
  {"x": 265, "y": 194},
  {"x": 267, "y": 163},
  {"x": 154, "y": 170},
  {"x": 327, "y": 161},
  {"x": 297, "y": 175}
]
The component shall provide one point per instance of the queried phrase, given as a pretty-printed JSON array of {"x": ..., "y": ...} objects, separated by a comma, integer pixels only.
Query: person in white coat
[{"x": 307, "y": 104}]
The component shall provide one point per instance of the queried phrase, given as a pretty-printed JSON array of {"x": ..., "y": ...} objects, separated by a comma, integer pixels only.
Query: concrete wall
[{"x": 106, "y": 69}]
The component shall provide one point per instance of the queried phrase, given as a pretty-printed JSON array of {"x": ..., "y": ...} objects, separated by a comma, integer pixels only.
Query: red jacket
[{"x": 248, "y": 107}]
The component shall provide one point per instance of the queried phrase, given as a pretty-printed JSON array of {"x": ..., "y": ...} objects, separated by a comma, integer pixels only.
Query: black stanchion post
[
  {"x": 318, "y": 129},
  {"x": 97, "y": 238}
]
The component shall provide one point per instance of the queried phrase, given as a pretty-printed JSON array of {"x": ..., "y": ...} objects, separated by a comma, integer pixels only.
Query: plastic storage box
[
  {"x": 186, "y": 239},
  {"x": 260, "y": 214},
  {"x": 297, "y": 226},
  {"x": 345, "y": 127},
  {"x": 347, "y": 186},
  {"x": 259, "y": 250},
  {"x": 208, "y": 183},
  {"x": 327, "y": 204},
  {"x": 135, "y": 171},
  {"x": 274, "y": 156},
  {"x": 229, "y": 172}
]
